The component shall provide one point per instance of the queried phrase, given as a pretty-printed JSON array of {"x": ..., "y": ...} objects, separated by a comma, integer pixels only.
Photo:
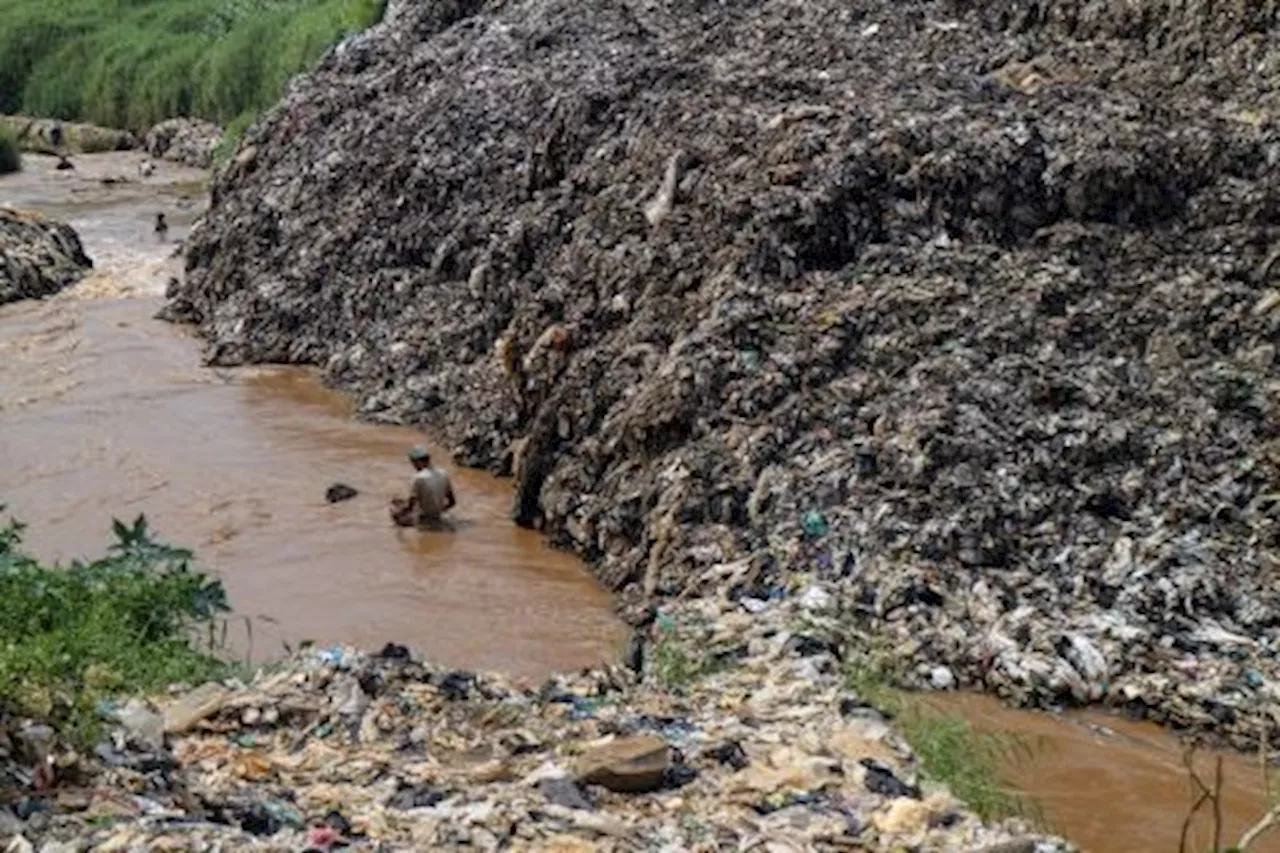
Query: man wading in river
[{"x": 430, "y": 496}]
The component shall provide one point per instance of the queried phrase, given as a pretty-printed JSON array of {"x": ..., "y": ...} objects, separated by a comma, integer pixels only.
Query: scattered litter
[{"x": 355, "y": 751}]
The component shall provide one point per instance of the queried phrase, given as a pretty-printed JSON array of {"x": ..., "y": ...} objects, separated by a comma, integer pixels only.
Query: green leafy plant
[
  {"x": 673, "y": 664},
  {"x": 71, "y": 636},
  {"x": 672, "y": 660}
]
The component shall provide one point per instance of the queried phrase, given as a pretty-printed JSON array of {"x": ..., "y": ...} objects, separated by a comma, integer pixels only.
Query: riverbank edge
[
  {"x": 34, "y": 135},
  {"x": 740, "y": 725},
  {"x": 39, "y": 256}
]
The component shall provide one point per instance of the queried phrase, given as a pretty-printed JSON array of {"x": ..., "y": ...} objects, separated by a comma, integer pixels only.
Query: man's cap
[{"x": 419, "y": 454}]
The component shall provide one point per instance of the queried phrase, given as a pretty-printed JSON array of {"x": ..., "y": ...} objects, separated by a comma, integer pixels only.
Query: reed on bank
[
  {"x": 10, "y": 156},
  {"x": 133, "y": 63}
]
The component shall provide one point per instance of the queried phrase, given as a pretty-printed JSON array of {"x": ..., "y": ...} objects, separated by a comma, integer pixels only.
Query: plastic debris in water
[{"x": 332, "y": 656}]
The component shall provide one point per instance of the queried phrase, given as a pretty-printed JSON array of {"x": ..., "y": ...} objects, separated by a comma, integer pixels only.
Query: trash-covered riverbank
[
  {"x": 744, "y": 732},
  {"x": 38, "y": 256},
  {"x": 972, "y": 309},
  {"x": 753, "y": 744}
]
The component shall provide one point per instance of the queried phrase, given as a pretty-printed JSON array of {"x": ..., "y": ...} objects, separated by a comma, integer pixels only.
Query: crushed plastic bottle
[{"x": 816, "y": 524}]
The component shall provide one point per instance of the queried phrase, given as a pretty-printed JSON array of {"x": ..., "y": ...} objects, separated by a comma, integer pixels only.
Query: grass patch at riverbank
[
  {"x": 73, "y": 635},
  {"x": 10, "y": 156},
  {"x": 130, "y": 65},
  {"x": 950, "y": 749}
]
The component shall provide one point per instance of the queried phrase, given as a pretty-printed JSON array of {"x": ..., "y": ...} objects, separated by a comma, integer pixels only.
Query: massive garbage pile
[{"x": 970, "y": 308}]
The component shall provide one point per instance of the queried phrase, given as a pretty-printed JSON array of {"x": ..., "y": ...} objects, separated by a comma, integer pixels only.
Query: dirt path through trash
[{"x": 106, "y": 412}]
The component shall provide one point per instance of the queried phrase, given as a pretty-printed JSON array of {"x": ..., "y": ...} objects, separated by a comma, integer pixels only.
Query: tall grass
[
  {"x": 71, "y": 636},
  {"x": 132, "y": 63},
  {"x": 951, "y": 751},
  {"x": 10, "y": 156}
]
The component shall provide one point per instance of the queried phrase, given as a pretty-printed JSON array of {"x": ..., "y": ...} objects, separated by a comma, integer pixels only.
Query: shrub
[{"x": 73, "y": 635}]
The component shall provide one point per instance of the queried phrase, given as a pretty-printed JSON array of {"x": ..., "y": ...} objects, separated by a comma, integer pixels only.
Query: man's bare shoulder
[{"x": 431, "y": 476}]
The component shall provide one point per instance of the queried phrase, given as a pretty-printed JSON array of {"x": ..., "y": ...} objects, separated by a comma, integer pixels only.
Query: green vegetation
[
  {"x": 71, "y": 636},
  {"x": 950, "y": 750},
  {"x": 232, "y": 131},
  {"x": 33, "y": 134},
  {"x": 132, "y": 63},
  {"x": 675, "y": 661},
  {"x": 10, "y": 156},
  {"x": 674, "y": 666},
  {"x": 968, "y": 762}
]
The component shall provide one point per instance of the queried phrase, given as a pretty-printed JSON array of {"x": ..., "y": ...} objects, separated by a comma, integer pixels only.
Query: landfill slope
[
  {"x": 38, "y": 256},
  {"x": 968, "y": 307}
]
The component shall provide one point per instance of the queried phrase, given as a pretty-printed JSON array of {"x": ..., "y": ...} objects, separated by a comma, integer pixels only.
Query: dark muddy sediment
[{"x": 972, "y": 313}]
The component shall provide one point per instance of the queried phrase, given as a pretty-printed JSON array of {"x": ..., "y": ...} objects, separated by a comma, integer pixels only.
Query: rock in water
[
  {"x": 630, "y": 765},
  {"x": 38, "y": 256},
  {"x": 340, "y": 492}
]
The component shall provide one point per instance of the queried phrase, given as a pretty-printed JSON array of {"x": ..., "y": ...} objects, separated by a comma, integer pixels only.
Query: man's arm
[{"x": 448, "y": 496}]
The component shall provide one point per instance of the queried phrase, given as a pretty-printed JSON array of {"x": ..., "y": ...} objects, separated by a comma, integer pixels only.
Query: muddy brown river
[{"x": 106, "y": 412}]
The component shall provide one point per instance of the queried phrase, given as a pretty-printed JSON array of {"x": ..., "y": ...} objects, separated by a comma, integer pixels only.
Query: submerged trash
[{"x": 340, "y": 492}]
